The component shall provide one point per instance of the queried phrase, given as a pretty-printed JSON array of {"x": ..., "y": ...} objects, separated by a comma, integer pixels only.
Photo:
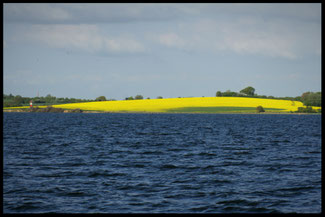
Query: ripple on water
[{"x": 129, "y": 163}]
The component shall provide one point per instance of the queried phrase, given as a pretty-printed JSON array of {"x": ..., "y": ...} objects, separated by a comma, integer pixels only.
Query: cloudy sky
[{"x": 170, "y": 50}]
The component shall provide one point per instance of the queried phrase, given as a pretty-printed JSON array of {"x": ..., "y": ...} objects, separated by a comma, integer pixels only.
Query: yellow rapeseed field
[
  {"x": 23, "y": 107},
  {"x": 163, "y": 105}
]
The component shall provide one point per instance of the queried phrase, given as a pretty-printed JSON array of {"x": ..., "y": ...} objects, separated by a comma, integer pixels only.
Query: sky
[{"x": 171, "y": 50}]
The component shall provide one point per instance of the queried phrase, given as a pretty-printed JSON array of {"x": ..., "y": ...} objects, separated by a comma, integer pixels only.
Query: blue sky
[{"x": 170, "y": 50}]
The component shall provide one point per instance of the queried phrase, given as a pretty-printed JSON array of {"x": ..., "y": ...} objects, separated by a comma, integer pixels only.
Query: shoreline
[{"x": 97, "y": 112}]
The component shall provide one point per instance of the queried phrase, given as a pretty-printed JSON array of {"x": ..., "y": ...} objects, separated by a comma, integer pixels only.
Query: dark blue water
[{"x": 148, "y": 163}]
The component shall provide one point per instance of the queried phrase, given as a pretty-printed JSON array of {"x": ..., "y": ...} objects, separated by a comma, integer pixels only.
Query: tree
[
  {"x": 129, "y": 98},
  {"x": 100, "y": 98},
  {"x": 138, "y": 97},
  {"x": 312, "y": 99},
  {"x": 249, "y": 91},
  {"x": 50, "y": 99},
  {"x": 229, "y": 93},
  {"x": 159, "y": 97},
  {"x": 18, "y": 100},
  {"x": 218, "y": 93}
]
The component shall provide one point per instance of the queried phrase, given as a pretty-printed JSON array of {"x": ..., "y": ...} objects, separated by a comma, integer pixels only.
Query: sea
[{"x": 161, "y": 163}]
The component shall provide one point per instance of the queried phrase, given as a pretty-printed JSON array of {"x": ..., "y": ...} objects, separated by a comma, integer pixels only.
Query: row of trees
[
  {"x": 136, "y": 97},
  {"x": 308, "y": 109},
  {"x": 12, "y": 101},
  {"x": 307, "y": 98},
  {"x": 103, "y": 98},
  {"x": 248, "y": 91},
  {"x": 139, "y": 97}
]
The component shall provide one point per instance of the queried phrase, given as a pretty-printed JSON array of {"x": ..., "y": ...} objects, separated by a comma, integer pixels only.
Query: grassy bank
[{"x": 220, "y": 109}]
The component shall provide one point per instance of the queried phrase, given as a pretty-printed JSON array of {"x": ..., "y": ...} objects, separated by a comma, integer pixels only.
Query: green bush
[
  {"x": 308, "y": 109},
  {"x": 259, "y": 109}
]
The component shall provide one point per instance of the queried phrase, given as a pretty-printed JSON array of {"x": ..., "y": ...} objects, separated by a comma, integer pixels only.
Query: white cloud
[
  {"x": 259, "y": 42},
  {"x": 119, "y": 12},
  {"x": 27, "y": 12},
  {"x": 277, "y": 30},
  {"x": 171, "y": 40},
  {"x": 74, "y": 13},
  {"x": 246, "y": 35},
  {"x": 84, "y": 37},
  {"x": 276, "y": 38},
  {"x": 123, "y": 44}
]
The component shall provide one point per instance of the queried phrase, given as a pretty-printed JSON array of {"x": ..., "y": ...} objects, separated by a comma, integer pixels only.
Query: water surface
[{"x": 161, "y": 163}]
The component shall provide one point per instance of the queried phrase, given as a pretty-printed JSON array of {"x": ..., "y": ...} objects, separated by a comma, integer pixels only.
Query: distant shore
[
  {"x": 194, "y": 105},
  {"x": 85, "y": 111}
]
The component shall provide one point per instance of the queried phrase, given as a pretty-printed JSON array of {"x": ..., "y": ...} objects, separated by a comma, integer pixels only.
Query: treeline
[
  {"x": 13, "y": 101},
  {"x": 103, "y": 98},
  {"x": 311, "y": 99},
  {"x": 229, "y": 93},
  {"x": 308, "y": 109},
  {"x": 307, "y": 98},
  {"x": 139, "y": 97}
]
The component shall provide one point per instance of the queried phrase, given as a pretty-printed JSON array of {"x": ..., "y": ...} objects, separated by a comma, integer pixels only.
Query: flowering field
[
  {"x": 22, "y": 107},
  {"x": 195, "y": 104}
]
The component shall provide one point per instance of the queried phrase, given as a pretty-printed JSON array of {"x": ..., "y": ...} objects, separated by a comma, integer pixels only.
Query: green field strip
[{"x": 220, "y": 109}]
